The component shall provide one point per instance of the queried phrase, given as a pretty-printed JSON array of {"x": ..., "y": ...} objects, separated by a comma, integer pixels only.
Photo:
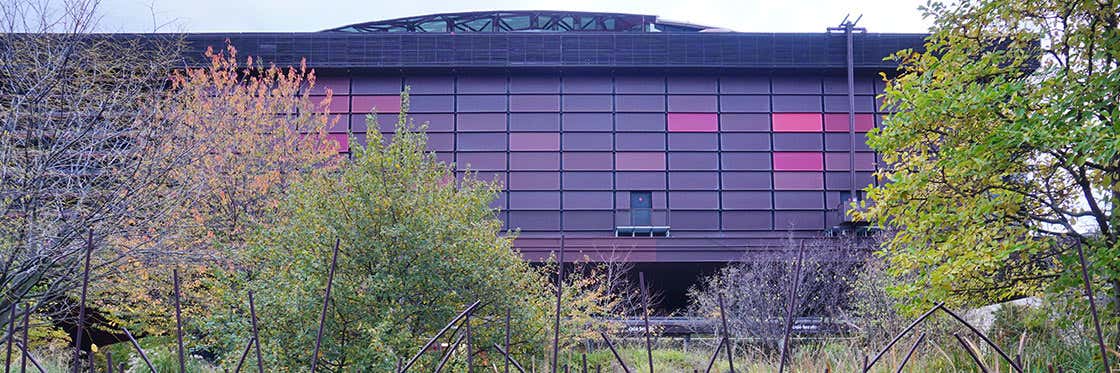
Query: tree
[
  {"x": 417, "y": 246},
  {"x": 1003, "y": 152}
]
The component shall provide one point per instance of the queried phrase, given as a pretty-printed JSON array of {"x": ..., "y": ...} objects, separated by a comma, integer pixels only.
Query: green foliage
[{"x": 1003, "y": 151}]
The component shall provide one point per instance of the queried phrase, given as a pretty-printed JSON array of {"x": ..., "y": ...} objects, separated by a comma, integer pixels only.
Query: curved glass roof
[{"x": 523, "y": 21}]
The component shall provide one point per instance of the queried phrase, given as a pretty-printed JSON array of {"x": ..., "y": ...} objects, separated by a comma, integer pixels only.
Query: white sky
[{"x": 315, "y": 15}]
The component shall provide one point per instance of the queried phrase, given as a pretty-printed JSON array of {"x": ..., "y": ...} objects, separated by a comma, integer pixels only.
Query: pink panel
[
  {"x": 339, "y": 104},
  {"x": 534, "y": 141},
  {"x": 839, "y": 122},
  {"x": 380, "y": 104},
  {"x": 798, "y": 181},
  {"x": 797, "y": 122},
  {"x": 798, "y": 161},
  {"x": 639, "y": 161},
  {"x": 688, "y": 122},
  {"x": 342, "y": 141}
]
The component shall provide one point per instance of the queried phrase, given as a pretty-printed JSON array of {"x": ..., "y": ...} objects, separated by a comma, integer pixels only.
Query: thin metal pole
[
  {"x": 715, "y": 355},
  {"x": 645, "y": 318},
  {"x": 447, "y": 355},
  {"x": 26, "y": 326},
  {"x": 906, "y": 359},
  {"x": 583, "y": 364},
  {"x": 984, "y": 338},
  {"x": 178, "y": 320},
  {"x": 439, "y": 334},
  {"x": 143, "y": 356},
  {"x": 615, "y": 352},
  {"x": 11, "y": 336},
  {"x": 789, "y": 310},
  {"x": 34, "y": 362},
  {"x": 971, "y": 353},
  {"x": 470, "y": 347},
  {"x": 507, "y": 340},
  {"x": 256, "y": 335},
  {"x": 867, "y": 365},
  {"x": 326, "y": 303},
  {"x": 109, "y": 362},
  {"x": 510, "y": 358},
  {"x": 82, "y": 305},
  {"x": 1092, "y": 306},
  {"x": 244, "y": 354},
  {"x": 726, "y": 332},
  {"x": 848, "y": 27},
  {"x": 559, "y": 295}
]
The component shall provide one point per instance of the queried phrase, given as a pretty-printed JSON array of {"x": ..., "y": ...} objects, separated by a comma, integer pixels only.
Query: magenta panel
[
  {"x": 339, "y": 103},
  {"x": 433, "y": 84},
  {"x": 692, "y": 122},
  {"x": 798, "y": 220},
  {"x": 534, "y": 161},
  {"x": 639, "y": 161},
  {"x": 639, "y": 84},
  {"x": 589, "y": 220},
  {"x": 480, "y": 103},
  {"x": 798, "y": 181},
  {"x": 534, "y": 84},
  {"x": 839, "y": 161},
  {"x": 534, "y": 103},
  {"x": 757, "y": 161},
  {"x": 640, "y": 103},
  {"x": 798, "y": 161},
  {"x": 797, "y": 122},
  {"x": 436, "y": 122},
  {"x": 338, "y": 85},
  {"x": 745, "y": 141},
  {"x": 390, "y": 85},
  {"x": 631, "y": 141},
  {"x": 694, "y": 200},
  {"x": 534, "y": 141},
  {"x": 587, "y": 122},
  {"x": 587, "y": 84},
  {"x": 708, "y": 161},
  {"x": 640, "y": 181},
  {"x": 481, "y": 161},
  {"x": 746, "y": 200},
  {"x": 481, "y": 122},
  {"x": 549, "y": 122},
  {"x": 744, "y": 84},
  {"x": 534, "y": 180},
  {"x": 747, "y": 220},
  {"x": 588, "y": 161},
  {"x": 429, "y": 104},
  {"x": 693, "y": 141},
  {"x": 640, "y": 122},
  {"x": 588, "y": 201},
  {"x": 693, "y": 104},
  {"x": 693, "y": 84},
  {"x": 694, "y": 180},
  {"x": 588, "y": 103},
  {"x": 586, "y": 141},
  {"x": 341, "y": 140},
  {"x": 745, "y": 122},
  {"x": 744, "y": 104},
  {"x": 588, "y": 181},
  {"x": 839, "y": 122},
  {"x": 534, "y": 200},
  {"x": 379, "y": 104},
  {"x": 798, "y": 200},
  {"x": 795, "y": 104}
]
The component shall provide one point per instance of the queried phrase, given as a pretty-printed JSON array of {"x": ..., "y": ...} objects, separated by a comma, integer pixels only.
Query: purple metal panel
[
  {"x": 587, "y": 84},
  {"x": 640, "y": 103},
  {"x": 693, "y": 84},
  {"x": 586, "y": 141},
  {"x": 744, "y": 104},
  {"x": 694, "y": 220},
  {"x": 744, "y": 84},
  {"x": 746, "y": 161},
  {"x": 746, "y": 200},
  {"x": 798, "y": 181},
  {"x": 693, "y": 104},
  {"x": 534, "y": 180},
  {"x": 839, "y": 122},
  {"x": 640, "y": 122},
  {"x": 841, "y": 141},
  {"x": 839, "y": 85},
  {"x": 481, "y": 141},
  {"x": 481, "y": 122},
  {"x": 839, "y": 161},
  {"x": 588, "y": 161},
  {"x": 588, "y": 103},
  {"x": 744, "y": 122},
  {"x": 798, "y": 200},
  {"x": 480, "y": 103},
  {"x": 441, "y": 141},
  {"x": 796, "y": 84},
  {"x": 481, "y": 161},
  {"x": 446, "y": 157},
  {"x": 747, "y": 220},
  {"x": 589, "y": 220},
  {"x": 537, "y": 83},
  {"x": 798, "y": 142},
  {"x": 839, "y": 104},
  {"x": 534, "y": 122},
  {"x": 482, "y": 84},
  {"x": 639, "y": 161},
  {"x": 431, "y": 104},
  {"x": 639, "y": 84},
  {"x": 693, "y": 141},
  {"x": 639, "y": 141},
  {"x": 798, "y": 220},
  {"x": 640, "y": 181},
  {"x": 841, "y": 180},
  {"x": 798, "y": 161},
  {"x": 534, "y": 161},
  {"x": 430, "y": 84},
  {"x": 534, "y": 200},
  {"x": 693, "y": 161},
  {"x": 746, "y": 141},
  {"x": 436, "y": 122},
  {"x": 534, "y": 103},
  {"x": 500, "y": 201},
  {"x": 338, "y": 104},
  {"x": 586, "y": 122},
  {"x": 693, "y": 200},
  {"x": 358, "y": 123},
  {"x": 693, "y": 122},
  {"x": 588, "y": 181},
  {"x": 693, "y": 181},
  {"x": 535, "y": 220},
  {"x": 378, "y": 84},
  {"x": 338, "y": 85},
  {"x": 484, "y": 176},
  {"x": 796, "y": 104},
  {"x": 588, "y": 200},
  {"x": 534, "y": 141}
]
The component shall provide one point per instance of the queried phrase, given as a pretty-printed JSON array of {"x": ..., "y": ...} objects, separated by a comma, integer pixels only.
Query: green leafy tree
[{"x": 1003, "y": 153}]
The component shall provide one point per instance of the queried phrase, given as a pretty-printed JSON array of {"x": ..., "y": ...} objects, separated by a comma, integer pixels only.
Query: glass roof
[{"x": 523, "y": 21}]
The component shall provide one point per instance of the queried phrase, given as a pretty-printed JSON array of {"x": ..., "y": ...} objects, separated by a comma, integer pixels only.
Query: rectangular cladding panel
[
  {"x": 430, "y": 84},
  {"x": 535, "y": 83},
  {"x": 796, "y": 104},
  {"x": 693, "y": 181},
  {"x": 798, "y": 161},
  {"x": 635, "y": 122},
  {"x": 689, "y": 200},
  {"x": 744, "y": 104},
  {"x": 534, "y": 161},
  {"x": 586, "y": 122},
  {"x": 536, "y": 122},
  {"x": 534, "y": 180},
  {"x": 587, "y": 141},
  {"x": 519, "y": 200},
  {"x": 693, "y": 104},
  {"x": 589, "y": 221},
  {"x": 746, "y": 141},
  {"x": 744, "y": 122},
  {"x": 481, "y": 103},
  {"x": 481, "y": 161},
  {"x": 840, "y": 122},
  {"x": 693, "y": 84},
  {"x": 693, "y": 141},
  {"x": 695, "y": 161},
  {"x": 425, "y": 104},
  {"x": 693, "y": 122},
  {"x": 588, "y": 84},
  {"x": 480, "y": 122},
  {"x": 436, "y": 122},
  {"x": 588, "y": 200},
  {"x": 534, "y": 103},
  {"x": 375, "y": 104},
  {"x": 481, "y": 141},
  {"x": 745, "y": 180},
  {"x": 798, "y": 181},
  {"x": 747, "y": 220},
  {"x": 639, "y": 161},
  {"x": 839, "y": 104},
  {"x": 640, "y": 103},
  {"x": 588, "y": 161},
  {"x": 588, "y": 181},
  {"x": 797, "y": 122},
  {"x": 639, "y": 84},
  {"x": 588, "y": 103},
  {"x": 640, "y": 181},
  {"x": 481, "y": 84},
  {"x": 338, "y": 85},
  {"x": 737, "y": 161},
  {"x": 798, "y": 142},
  {"x": 534, "y": 141},
  {"x": 756, "y": 200},
  {"x": 639, "y": 141},
  {"x": 379, "y": 85}
]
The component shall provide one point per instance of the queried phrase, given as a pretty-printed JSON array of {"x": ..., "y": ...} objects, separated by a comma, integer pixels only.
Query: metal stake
[
  {"x": 256, "y": 336},
  {"x": 726, "y": 332},
  {"x": 789, "y": 310},
  {"x": 645, "y": 318},
  {"x": 82, "y": 305},
  {"x": 906, "y": 359},
  {"x": 178, "y": 320},
  {"x": 615, "y": 352},
  {"x": 143, "y": 356},
  {"x": 559, "y": 294},
  {"x": 326, "y": 302},
  {"x": 1092, "y": 306}
]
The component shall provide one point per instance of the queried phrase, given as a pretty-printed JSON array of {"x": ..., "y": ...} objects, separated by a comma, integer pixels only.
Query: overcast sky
[{"x": 315, "y": 15}]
